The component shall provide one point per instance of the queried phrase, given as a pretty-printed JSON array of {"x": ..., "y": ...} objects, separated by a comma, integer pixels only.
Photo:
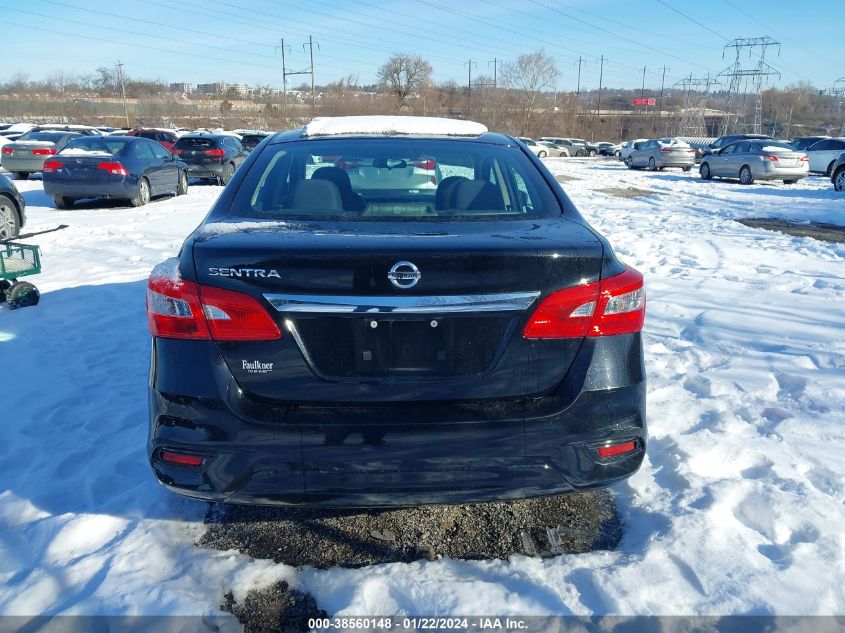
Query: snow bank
[
  {"x": 393, "y": 125},
  {"x": 78, "y": 151}
]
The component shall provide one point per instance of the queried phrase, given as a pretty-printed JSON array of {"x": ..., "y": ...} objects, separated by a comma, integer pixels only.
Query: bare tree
[
  {"x": 405, "y": 74},
  {"x": 527, "y": 78}
]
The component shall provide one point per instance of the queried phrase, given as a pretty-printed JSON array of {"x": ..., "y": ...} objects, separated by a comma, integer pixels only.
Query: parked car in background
[
  {"x": 321, "y": 356},
  {"x": 167, "y": 138},
  {"x": 574, "y": 148},
  {"x": 627, "y": 147},
  {"x": 214, "y": 156},
  {"x": 555, "y": 150},
  {"x": 837, "y": 173},
  {"x": 12, "y": 209},
  {"x": 606, "y": 149},
  {"x": 803, "y": 143},
  {"x": 660, "y": 153},
  {"x": 85, "y": 130},
  {"x": 824, "y": 153},
  {"x": 752, "y": 160},
  {"x": 541, "y": 151},
  {"x": 27, "y": 154},
  {"x": 113, "y": 167},
  {"x": 251, "y": 139},
  {"x": 727, "y": 139}
]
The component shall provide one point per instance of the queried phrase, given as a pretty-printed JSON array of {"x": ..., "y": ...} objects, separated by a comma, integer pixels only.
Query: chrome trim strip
[{"x": 442, "y": 304}]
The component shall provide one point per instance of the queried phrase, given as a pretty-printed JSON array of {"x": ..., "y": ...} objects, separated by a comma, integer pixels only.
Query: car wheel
[
  {"x": 839, "y": 179},
  {"x": 21, "y": 175},
  {"x": 789, "y": 182},
  {"x": 629, "y": 162},
  {"x": 9, "y": 222},
  {"x": 143, "y": 195},
  {"x": 686, "y": 168},
  {"x": 22, "y": 294},
  {"x": 704, "y": 170},
  {"x": 182, "y": 186},
  {"x": 541, "y": 154},
  {"x": 592, "y": 152},
  {"x": 652, "y": 166},
  {"x": 228, "y": 175},
  {"x": 829, "y": 169},
  {"x": 581, "y": 153},
  {"x": 62, "y": 202},
  {"x": 745, "y": 175}
]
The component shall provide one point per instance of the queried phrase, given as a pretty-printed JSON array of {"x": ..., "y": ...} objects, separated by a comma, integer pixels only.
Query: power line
[{"x": 693, "y": 20}]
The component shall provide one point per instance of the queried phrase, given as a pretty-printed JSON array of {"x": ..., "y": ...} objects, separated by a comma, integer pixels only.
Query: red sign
[{"x": 644, "y": 101}]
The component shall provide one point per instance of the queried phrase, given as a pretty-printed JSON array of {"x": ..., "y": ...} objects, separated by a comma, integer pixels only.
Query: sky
[{"x": 239, "y": 41}]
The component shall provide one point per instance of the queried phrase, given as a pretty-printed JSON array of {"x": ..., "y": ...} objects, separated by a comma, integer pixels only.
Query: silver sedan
[
  {"x": 660, "y": 153},
  {"x": 752, "y": 160}
]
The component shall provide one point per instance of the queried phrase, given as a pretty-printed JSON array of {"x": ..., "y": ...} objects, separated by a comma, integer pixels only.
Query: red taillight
[
  {"x": 113, "y": 168},
  {"x": 426, "y": 164},
  {"x": 602, "y": 308},
  {"x": 51, "y": 166},
  {"x": 46, "y": 151},
  {"x": 217, "y": 153},
  {"x": 186, "y": 310},
  {"x": 180, "y": 458},
  {"x": 804, "y": 159},
  {"x": 770, "y": 157},
  {"x": 666, "y": 151},
  {"x": 8, "y": 151},
  {"x": 617, "y": 449}
]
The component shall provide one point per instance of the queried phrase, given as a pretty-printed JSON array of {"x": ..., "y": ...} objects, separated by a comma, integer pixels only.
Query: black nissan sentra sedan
[{"x": 394, "y": 311}]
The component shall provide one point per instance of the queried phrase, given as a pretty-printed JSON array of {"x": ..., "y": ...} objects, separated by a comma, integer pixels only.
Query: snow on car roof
[{"x": 393, "y": 126}]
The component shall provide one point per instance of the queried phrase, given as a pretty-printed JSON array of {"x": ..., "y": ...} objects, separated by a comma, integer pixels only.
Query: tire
[
  {"x": 704, "y": 170},
  {"x": 629, "y": 162},
  {"x": 745, "y": 175},
  {"x": 62, "y": 202},
  {"x": 22, "y": 294},
  {"x": 227, "y": 176},
  {"x": 21, "y": 175},
  {"x": 652, "y": 166},
  {"x": 182, "y": 185},
  {"x": 592, "y": 153},
  {"x": 789, "y": 182},
  {"x": 829, "y": 169},
  {"x": 10, "y": 223},
  {"x": 541, "y": 154},
  {"x": 580, "y": 153},
  {"x": 143, "y": 195},
  {"x": 4, "y": 286},
  {"x": 839, "y": 180},
  {"x": 686, "y": 168}
]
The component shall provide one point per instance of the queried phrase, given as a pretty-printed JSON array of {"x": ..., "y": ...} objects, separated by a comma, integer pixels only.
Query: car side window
[
  {"x": 158, "y": 151},
  {"x": 237, "y": 145},
  {"x": 729, "y": 149},
  {"x": 838, "y": 145},
  {"x": 144, "y": 151},
  {"x": 822, "y": 145}
]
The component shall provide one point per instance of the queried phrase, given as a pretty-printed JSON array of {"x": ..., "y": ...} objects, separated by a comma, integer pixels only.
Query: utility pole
[
  {"x": 580, "y": 61},
  {"x": 469, "y": 64},
  {"x": 119, "y": 65},
  {"x": 284, "y": 84},
  {"x": 642, "y": 90},
  {"x": 601, "y": 77},
  {"x": 306, "y": 71},
  {"x": 660, "y": 99},
  {"x": 496, "y": 62},
  {"x": 311, "y": 70}
]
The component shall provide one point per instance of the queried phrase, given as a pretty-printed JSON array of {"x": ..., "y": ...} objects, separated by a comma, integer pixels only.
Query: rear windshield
[
  {"x": 52, "y": 137},
  {"x": 395, "y": 178},
  {"x": 96, "y": 144},
  {"x": 195, "y": 143},
  {"x": 775, "y": 146}
]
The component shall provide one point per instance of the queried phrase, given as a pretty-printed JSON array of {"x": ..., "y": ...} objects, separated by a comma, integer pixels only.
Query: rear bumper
[
  {"x": 778, "y": 173},
  {"x": 12, "y": 163},
  {"x": 393, "y": 454},
  {"x": 120, "y": 188},
  {"x": 208, "y": 170}
]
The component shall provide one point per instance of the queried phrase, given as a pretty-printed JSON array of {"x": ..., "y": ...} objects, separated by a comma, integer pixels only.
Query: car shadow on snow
[{"x": 75, "y": 406}]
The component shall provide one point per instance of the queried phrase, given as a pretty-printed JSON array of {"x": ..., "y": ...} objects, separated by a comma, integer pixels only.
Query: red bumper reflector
[
  {"x": 181, "y": 459},
  {"x": 617, "y": 449}
]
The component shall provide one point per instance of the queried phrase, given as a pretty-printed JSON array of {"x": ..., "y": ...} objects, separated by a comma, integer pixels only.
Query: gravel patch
[
  {"x": 323, "y": 538},
  {"x": 277, "y": 608},
  {"x": 816, "y": 230}
]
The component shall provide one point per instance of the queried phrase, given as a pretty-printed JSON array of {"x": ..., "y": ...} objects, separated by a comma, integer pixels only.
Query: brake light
[
  {"x": 8, "y": 151},
  {"x": 602, "y": 308},
  {"x": 113, "y": 168},
  {"x": 187, "y": 310},
  {"x": 181, "y": 459},
  {"x": 44, "y": 151},
  {"x": 216, "y": 152},
  {"x": 804, "y": 159},
  {"x": 666, "y": 150},
  {"x": 51, "y": 166},
  {"x": 770, "y": 157},
  {"x": 617, "y": 449},
  {"x": 426, "y": 164}
]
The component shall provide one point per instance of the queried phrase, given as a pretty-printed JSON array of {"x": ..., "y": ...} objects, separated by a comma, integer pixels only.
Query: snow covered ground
[{"x": 738, "y": 508}]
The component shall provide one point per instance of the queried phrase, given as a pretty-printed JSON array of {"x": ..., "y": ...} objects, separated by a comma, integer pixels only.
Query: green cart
[{"x": 18, "y": 260}]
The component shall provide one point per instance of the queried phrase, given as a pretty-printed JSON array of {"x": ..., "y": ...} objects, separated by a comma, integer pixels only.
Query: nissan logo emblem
[{"x": 404, "y": 275}]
